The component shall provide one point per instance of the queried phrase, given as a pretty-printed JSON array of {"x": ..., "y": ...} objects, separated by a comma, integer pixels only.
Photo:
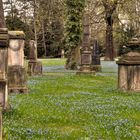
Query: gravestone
[
  {"x": 85, "y": 50},
  {"x": 129, "y": 72},
  {"x": 34, "y": 66},
  {"x": 0, "y": 123},
  {"x": 17, "y": 78},
  {"x": 62, "y": 53},
  {"x": 3, "y": 67},
  {"x": 96, "y": 63}
]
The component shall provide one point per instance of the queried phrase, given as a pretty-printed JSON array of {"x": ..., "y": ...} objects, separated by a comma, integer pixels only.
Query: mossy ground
[{"x": 64, "y": 106}]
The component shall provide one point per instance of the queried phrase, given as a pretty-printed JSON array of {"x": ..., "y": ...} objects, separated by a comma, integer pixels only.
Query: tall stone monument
[
  {"x": 3, "y": 60},
  {"x": 86, "y": 54},
  {"x": 96, "y": 63},
  {"x": 34, "y": 66},
  {"x": 3, "y": 65},
  {"x": 0, "y": 123},
  {"x": 17, "y": 77}
]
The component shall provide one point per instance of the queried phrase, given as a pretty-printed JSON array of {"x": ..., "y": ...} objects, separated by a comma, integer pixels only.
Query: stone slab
[
  {"x": 35, "y": 68},
  {"x": 17, "y": 79}
]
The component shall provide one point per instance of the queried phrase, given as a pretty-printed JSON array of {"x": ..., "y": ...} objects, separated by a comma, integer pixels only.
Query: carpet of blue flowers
[{"x": 61, "y": 105}]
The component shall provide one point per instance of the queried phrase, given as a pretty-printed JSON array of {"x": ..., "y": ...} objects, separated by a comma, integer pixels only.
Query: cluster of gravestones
[
  {"x": 128, "y": 65},
  {"x": 13, "y": 74}
]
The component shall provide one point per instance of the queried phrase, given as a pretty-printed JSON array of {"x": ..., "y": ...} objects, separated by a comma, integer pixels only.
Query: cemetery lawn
[{"x": 64, "y": 106}]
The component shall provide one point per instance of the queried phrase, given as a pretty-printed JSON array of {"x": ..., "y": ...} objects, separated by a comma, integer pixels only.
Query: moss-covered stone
[{"x": 16, "y": 34}]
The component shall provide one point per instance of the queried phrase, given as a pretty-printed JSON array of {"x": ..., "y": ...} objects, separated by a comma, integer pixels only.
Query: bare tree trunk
[
  {"x": 109, "y": 39},
  {"x": 2, "y": 20},
  {"x": 43, "y": 36},
  {"x": 110, "y": 7},
  {"x": 12, "y": 10},
  {"x": 35, "y": 18}
]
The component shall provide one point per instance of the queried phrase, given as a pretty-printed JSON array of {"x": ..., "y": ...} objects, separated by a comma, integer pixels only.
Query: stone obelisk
[{"x": 86, "y": 54}]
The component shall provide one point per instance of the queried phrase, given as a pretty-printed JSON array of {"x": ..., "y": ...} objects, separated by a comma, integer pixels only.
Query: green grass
[
  {"x": 65, "y": 106},
  {"x": 53, "y": 62}
]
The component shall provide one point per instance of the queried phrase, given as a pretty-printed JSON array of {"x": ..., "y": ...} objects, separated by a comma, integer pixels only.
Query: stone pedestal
[
  {"x": 16, "y": 71},
  {"x": 3, "y": 94},
  {"x": 96, "y": 63},
  {"x": 86, "y": 54},
  {"x": 86, "y": 58},
  {"x": 3, "y": 67},
  {"x": 34, "y": 66},
  {"x": 0, "y": 123},
  {"x": 129, "y": 72}
]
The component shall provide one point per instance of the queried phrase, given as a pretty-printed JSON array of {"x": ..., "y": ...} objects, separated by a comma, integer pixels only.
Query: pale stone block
[
  {"x": 129, "y": 72},
  {"x": 16, "y": 52}
]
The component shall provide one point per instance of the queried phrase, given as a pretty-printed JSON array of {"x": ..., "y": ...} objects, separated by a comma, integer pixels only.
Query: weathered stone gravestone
[
  {"x": 129, "y": 72},
  {"x": 0, "y": 123},
  {"x": 3, "y": 67},
  {"x": 96, "y": 63},
  {"x": 17, "y": 77},
  {"x": 34, "y": 66},
  {"x": 62, "y": 53},
  {"x": 86, "y": 54}
]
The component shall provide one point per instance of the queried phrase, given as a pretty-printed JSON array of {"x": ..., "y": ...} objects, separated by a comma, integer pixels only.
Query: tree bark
[
  {"x": 2, "y": 20},
  {"x": 73, "y": 59},
  {"x": 110, "y": 7},
  {"x": 109, "y": 39},
  {"x": 43, "y": 37},
  {"x": 35, "y": 18}
]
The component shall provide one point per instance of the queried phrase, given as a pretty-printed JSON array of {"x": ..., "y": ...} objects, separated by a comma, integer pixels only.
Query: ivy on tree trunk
[{"x": 73, "y": 28}]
